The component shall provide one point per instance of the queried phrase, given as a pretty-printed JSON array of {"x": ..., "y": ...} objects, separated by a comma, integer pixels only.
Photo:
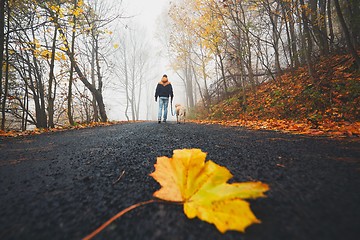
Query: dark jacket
[{"x": 164, "y": 90}]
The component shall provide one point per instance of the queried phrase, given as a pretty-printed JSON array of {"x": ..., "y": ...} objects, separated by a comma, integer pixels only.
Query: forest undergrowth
[{"x": 327, "y": 104}]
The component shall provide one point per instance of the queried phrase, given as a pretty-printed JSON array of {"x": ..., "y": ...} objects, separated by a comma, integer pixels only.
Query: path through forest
[{"x": 63, "y": 185}]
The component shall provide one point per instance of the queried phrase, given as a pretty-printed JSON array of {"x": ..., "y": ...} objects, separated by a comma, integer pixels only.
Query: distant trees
[
  {"x": 247, "y": 42},
  {"x": 132, "y": 68}
]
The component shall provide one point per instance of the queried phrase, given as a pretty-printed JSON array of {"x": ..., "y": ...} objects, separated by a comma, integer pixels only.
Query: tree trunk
[
  {"x": 93, "y": 81},
  {"x": 288, "y": 36},
  {"x": 276, "y": 36},
  {"x": 307, "y": 41},
  {"x": 41, "y": 117},
  {"x": 71, "y": 77},
  {"x": 189, "y": 84},
  {"x": 132, "y": 77},
  {"x": 2, "y": 43},
  {"x": 6, "y": 85},
  {"x": 98, "y": 95},
  {"x": 222, "y": 69},
  {"x": 70, "y": 96},
  {"x": 353, "y": 7},
  {"x": 98, "y": 71},
  {"x": 205, "y": 76},
  {"x": 25, "y": 114},
  {"x": 138, "y": 101},
  {"x": 345, "y": 29},
  {"x": 198, "y": 86},
  {"x": 248, "y": 63},
  {"x": 293, "y": 39},
  {"x": 331, "y": 30},
  {"x": 126, "y": 85},
  {"x": 322, "y": 27},
  {"x": 51, "y": 95}
]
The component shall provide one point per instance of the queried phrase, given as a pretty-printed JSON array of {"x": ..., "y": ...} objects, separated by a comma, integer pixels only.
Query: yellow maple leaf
[{"x": 203, "y": 189}]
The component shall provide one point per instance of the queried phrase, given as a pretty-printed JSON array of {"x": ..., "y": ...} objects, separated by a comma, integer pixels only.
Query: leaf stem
[
  {"x": 107, "y": 223},
  {"x": 128, "y": 209}
]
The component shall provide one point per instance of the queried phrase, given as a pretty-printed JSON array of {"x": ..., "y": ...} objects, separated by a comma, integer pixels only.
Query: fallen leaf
[
  {"x": 203, "y": 189},
  {"x": 201, "y": 186}
]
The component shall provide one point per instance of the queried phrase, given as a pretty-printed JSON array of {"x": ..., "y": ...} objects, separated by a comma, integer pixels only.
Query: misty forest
[{"x": 71, "y": 62}]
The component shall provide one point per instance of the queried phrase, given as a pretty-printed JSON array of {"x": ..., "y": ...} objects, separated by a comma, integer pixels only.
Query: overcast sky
[{"x": 146, "y": 11}]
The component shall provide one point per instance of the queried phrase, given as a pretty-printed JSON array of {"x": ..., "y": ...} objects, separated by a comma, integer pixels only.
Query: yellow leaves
[
  {"x": 80, "y": 3},
  {"x": 88, "y": 29},
  {"x": 76, "y": 12},
  {"x": 59, "y": 56},
  {"x": 227, "y": 214},
  {"x": 63, "y": 48},
  {"x": 36, "y": 43},
  {"x": 4, "y": 66},
  {"x": 196, "y": 21},
  {"x": 62, "y": 37},
  {"x": 254, "y": 7},
  {"x": 58, "y": 10},
  {"x": 55, "y": 8},
  {"x": 46, "y": 54},
  {"x": 203, "y": 188},
  {"x": 107, "y": 31}
]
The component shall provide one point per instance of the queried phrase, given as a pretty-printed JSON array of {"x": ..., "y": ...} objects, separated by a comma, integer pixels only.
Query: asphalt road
[{"x": 64, "y": 185}]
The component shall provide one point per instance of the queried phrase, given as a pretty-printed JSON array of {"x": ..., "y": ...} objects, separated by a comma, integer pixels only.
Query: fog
[{"x": 142, "y": 21}]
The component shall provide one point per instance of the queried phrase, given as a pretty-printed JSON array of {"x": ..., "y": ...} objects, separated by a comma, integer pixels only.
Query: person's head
[{"x": 164, "y": 78}]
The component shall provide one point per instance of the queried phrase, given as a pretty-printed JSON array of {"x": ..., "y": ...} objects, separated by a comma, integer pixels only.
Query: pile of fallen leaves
[
  {"x": 327, "y": 104},
  {"x": 326, "y": 128},
  {"x": 37, "y": 131}
]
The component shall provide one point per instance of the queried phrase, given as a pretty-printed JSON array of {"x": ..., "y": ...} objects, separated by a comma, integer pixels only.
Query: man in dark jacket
[{"x": 163, "y": 91}]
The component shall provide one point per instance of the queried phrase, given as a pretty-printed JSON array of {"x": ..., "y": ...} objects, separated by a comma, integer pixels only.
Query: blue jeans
[{"x": 163, "y": 105}]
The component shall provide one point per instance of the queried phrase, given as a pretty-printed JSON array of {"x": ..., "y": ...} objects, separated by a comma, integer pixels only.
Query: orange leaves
[
  {"x": 325, "y": 128},
  {"x": 293, "y": 103},
  {"x": 37, "y": 131},
  {"x": 203, "y": 189}
]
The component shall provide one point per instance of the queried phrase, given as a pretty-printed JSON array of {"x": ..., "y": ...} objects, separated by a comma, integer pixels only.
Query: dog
[{"x": 180, "y": 113}]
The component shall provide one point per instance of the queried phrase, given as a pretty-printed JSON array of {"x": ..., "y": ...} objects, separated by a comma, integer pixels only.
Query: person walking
[{"x": 164, "y": 91}]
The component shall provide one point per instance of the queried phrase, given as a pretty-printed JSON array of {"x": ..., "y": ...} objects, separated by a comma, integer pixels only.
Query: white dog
[{"x": 180, "y": 113}]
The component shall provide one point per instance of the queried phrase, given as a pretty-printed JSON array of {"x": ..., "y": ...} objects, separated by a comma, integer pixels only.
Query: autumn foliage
[{"x": 328, "y": 105}]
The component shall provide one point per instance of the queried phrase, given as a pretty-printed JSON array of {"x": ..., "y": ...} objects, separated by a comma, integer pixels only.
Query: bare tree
[{"x": 132, "y": 70}]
